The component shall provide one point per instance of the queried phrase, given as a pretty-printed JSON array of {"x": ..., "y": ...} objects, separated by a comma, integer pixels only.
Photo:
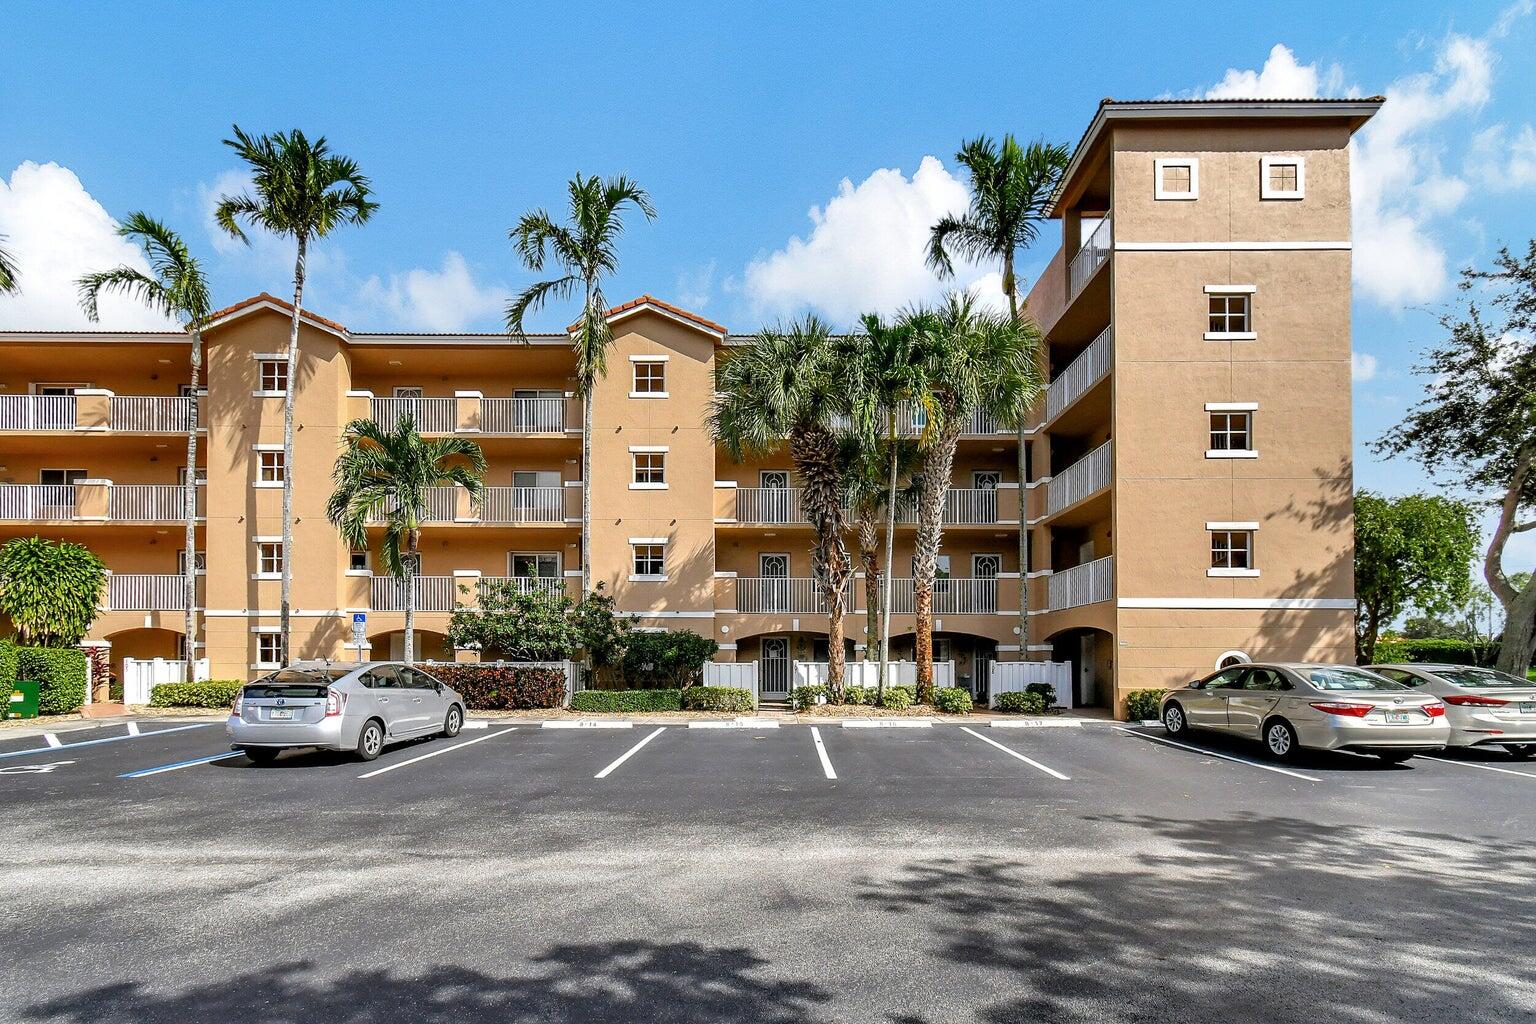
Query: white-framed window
[
  {"x": 1282, "y": 177},
  {"x": 650, "y": 558},
  {"x": 650, "y": 469},
  {"x": 1229, "y": 312},
  {"x": 269, "y": 558},
  {"x": 1232, "y": 549},
  {"x": 544, "y": 565},
  {"x": 360, "y": 562},
  {"x": 61, "y": 477},
  {"x": 271, "y": 467},
  {"x": 269, "y": 649},
  {"x": 650, "y": 377},
  {"x": 1231, "y": 430},
  {"x": 1176, "y": 178},
  {"x": 200, "y": 560},
  {"x": 272, "y": 376}
]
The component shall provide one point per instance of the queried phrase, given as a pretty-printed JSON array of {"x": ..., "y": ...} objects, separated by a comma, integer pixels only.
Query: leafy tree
[
  {"x": 586, "y": 250},
  {"x": 8, "y": 273},
  {"x": 602, "y": 635},
  {"x": 1414, "y": 551},
  {"x": 667, "y": 658},
  {"x": 299, "y": 190},
  {"x": 176, "y": 287},
  {"x": 791, "y": 384},
  {"x": 1477, "y": 425},
  {"x": 50, "y": 591},
  {"x": 387, "y": 475},
  {"x": 512, "y": 622}
]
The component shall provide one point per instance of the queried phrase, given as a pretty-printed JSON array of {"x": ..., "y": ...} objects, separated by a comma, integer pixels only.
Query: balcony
[
  {"x": 775, "y": 595},
  {"x": 1083, "y": 479},
  {"x": 95, "y": 501},
  {"x": 430, "y": 415},
  {"x": 444, "y": 593},
  {"x": 95, "y": 411},
  {"x": 1091, "y": 366},
  {"x": 1094, "y": 252},
  {"x": 950, "y": 596},
  {"x": 502, "y": 506},
  {"x": 22, "y": 503},
  {"x": 148, "y": 503},
  {"x": 134, "y": 592},
  {"x": 1089, "y": 583},
  {"x": 781, "y": 506},
  {"x": 760, "y": 595},
  {"x": 469, "y": 412}
]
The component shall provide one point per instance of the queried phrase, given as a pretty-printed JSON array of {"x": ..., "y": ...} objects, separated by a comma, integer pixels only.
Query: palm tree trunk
[
  {"x": 288, "y": 396},
  {"x": 869, "y": 558},
  {"x": 930, "y": 535},
  {"x": 410, "y": 596},
  {"x": 189, "y": 578},
  {"x": 890, "y": 556},
  {"x": 586, "y": 469},
  {"x": 1010, "y": 287},
  {"x": 815, "y": 454}
]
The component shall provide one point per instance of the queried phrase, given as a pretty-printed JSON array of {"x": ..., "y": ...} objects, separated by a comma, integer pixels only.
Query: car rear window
[
  {"x": 260, "y": 690},
  {"x": 1349, "y": 679},
  {"x": 1481, "y": 678}
]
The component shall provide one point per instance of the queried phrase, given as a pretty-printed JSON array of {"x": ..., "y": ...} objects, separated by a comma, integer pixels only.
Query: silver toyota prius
[
  {"x": 1484, "y": 707},
  {"x": 1324, "y": 707},
  {"x": 332, "y": 706}
]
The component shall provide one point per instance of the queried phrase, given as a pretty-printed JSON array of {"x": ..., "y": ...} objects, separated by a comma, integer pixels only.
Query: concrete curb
[
  {"x": 740, "y": 723},
  {"x": 887, "y": 723},
  {"x": 595, "y": 723},
  {"x": 1040, "y": 723}
]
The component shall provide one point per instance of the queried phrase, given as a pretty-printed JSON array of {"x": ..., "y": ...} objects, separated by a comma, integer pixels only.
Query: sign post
[{"x": 359, "y": 632}]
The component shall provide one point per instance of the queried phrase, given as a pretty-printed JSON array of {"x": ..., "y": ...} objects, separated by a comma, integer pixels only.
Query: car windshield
[
  {"x": 1481, "y": 678},
  {"x": 1349, "y": 679}
]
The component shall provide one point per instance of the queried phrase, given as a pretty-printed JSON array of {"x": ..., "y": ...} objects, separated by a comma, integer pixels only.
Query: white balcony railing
[
  {"x": 153, "y": 503},
  {"x": 1088, "y": 475},
  {"x": 911, "y": 419},
  {"x": 151, "y": 415},
  {"x": 522, "y": 415},
  {"x": 950, "y": 596},
  {"x": 769, "y": 506},
  {"x": 24, "y": 502},
  {"x": 131, "y": 592},
  {"x": 970, "y": 506},
  {"x": 1088, "y": 583},
  {"x": 430, "y": 415},
  {"x": 523, "y": 505},
  {"x": 433, "y": 594},
  {"x": 1090, "y": 257},
  {"x": 774, "y": 595},
  {"x": 37, "y": 412},
  {"x": 527, "y": 584},
  {"x": 1091, "y": 366}
]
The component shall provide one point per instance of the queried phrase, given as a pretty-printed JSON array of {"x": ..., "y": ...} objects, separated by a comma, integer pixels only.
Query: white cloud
[
  {"x": 1503, "y": 163},
  {"x": 1362, "y": 366},
  {"x": 865, "y": 252},
  {"x": 1282, "y": 77},
  {"x": 695, "y": 286},
  {"x": 428, "y": 300},
  {"x": 56, "y": 232}
]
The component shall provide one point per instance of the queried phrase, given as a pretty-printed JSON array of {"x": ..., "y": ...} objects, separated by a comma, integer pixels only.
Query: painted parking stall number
[{"x": 34, "y": 769}]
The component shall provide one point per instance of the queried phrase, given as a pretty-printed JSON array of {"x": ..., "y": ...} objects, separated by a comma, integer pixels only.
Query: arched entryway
[
  {"x": 429, "y": 646},
  {"x": 1091, "y": 653},
  {"x": 142, "y": 645}
]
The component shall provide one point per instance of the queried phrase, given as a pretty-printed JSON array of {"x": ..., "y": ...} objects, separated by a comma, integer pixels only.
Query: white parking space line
[
  {"x": 631, "y": 752},
  {"x": 1212, "y": 753},
  {"x": 133, "y": 728},
  {"x": 1014, "y": 753},
  {"x": 177, "y": 766},
  {"x": 1484, "y": 767},
  {"x": 435, "y": 753},
  {"x": 52, "y": 740},
  {"x": 105, "y": 739},
  {"x": 821, "y": 752}
]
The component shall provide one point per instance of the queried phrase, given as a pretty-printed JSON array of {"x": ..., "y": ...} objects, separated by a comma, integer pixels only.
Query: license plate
[
  {"x": 1528, "y": 708},
  {"x": 280, "y": 714},
  {"x": 1398, "y": 717}
]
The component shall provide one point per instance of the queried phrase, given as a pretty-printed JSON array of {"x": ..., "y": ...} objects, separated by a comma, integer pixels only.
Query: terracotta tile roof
[
  {"x": 651, "y": 300},
  {"x": 280, "y": 303}
]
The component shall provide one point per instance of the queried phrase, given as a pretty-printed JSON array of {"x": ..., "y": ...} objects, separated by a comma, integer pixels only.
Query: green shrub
[
  {"x": 8, "y": 664},
  {"x": 952, "y": 700},
  {"x": 60, "y": 675},
  {"x": 211, "y": 693},
  {"x": 802, "y": 697},
  {"x": 1019, "y": 702},
  {"x": 717, "y": 698},
  {"x": 859, "y": 695},
  {"x": 1443, "y": 650},
  {"x": 1046, "y": 691},
  {"x": 666, "y": 659},
  {"x": 1144, "y": 704},
  {"x": 627, "y": 701},
  {"x": 897, "y": 698},
  {"x": 497, "y": 687}
]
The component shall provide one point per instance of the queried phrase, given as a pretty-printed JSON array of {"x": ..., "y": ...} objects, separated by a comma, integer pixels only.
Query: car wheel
[
  {"x": 1174, "y": 720},
  {"x": 1524, "y": 751},
  {"x": 1280, "y": 740},
  {"x": 262, "y": 755},
  {"x": 370, "y": 742},
  {"x": 1394, "y": 756},
  {"x": 453, "y": 723}
]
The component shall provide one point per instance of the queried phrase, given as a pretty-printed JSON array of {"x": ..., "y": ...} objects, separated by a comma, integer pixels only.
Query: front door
[
  {"x": 774, "y": 569},
  {"x": 777, "y": 499},
  {"x": 984, "y": 570},
  {"x": 775, "y": 667}
]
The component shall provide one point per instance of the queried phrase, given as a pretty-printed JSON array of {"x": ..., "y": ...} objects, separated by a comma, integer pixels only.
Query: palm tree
[
  {"x": 586, "y": 249},
  {"x": 980, "y": 361},
  {"x": 385, "y": 474},
  {"x": 869, "y": 503},
  {"x": 8, "y": 274},
  {"x": 791, "y": 385},
  {"x": 176, "y": 287},
  {"x": 301, "y": 191},
  {"x": 1011, "y": 192}
]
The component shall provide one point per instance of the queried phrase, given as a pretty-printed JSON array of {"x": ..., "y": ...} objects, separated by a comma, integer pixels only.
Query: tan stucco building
[{"x": 1188, "y": 480}]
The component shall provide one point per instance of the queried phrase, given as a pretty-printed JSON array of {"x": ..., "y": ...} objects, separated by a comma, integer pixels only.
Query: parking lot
[{"x": 956, "y": 872}]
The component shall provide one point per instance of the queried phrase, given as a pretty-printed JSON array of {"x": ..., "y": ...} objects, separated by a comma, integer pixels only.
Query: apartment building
[{"x": 1187, "y": 494}]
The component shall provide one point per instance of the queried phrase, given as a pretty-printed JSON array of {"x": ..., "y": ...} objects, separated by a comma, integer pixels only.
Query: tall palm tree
[
  {"x": 386, "y": 474},
  {"x": 586, "y": 250},
  {"x": 869, "y": 503},
  {"x": 790, "y": 385},
  {"x": 8, "y": 274},
  {"x": 175, "y": 286},
  {"x": 980, "y": 361},
  {"x": 300, "y": 190},
  {"x": 1011, "y": 191}
]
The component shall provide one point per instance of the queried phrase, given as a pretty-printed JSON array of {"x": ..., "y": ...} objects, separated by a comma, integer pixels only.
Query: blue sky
[{"x": 793, "y": 150}]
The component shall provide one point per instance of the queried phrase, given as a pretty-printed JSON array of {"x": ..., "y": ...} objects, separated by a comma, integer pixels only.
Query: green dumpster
[{"x": 22, "y": 702}]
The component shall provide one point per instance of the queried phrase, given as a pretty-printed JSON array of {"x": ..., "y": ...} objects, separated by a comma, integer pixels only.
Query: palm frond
[{"x": 8, "y": 273}]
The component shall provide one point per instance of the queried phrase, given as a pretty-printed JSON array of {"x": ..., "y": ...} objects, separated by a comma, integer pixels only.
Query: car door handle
[
  {"x": 415, "y": 700},
  {"x": 383, "y": 700}
]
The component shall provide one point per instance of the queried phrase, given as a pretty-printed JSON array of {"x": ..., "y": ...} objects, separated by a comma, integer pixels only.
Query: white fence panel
[
  {"x": 1015, "y": 676},
  {"x": 141, "y": 676},
  {"x": 741, "y": 674},
  {"x": 866, "y": 673}
]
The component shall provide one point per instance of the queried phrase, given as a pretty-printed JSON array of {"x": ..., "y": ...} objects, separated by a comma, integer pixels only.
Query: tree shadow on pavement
[
  {"x": 1246, "y": 919},
  {"x": 618, "y": 981}
]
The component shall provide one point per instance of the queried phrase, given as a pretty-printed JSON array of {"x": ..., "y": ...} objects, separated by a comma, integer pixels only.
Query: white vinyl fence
[
  {"x": 1011, "y": 676},
  {"x": 741, "y": 674},
  {"x": 866, "y": 673},
  {"x": 141, "y": 676}
]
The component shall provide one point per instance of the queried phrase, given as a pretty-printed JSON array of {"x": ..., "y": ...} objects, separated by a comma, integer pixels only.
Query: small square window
[
  {"x": 650, "y": 468},
  {"x": 200, "y": 560},
  {"x": 274, "y": 375},
  {"x": 650, "y": 377},
  {"x": 1231, "y": 431},
  {"x": 650, "y": 559},
  {"x": 269, "y": 650},
  {"x": 1231, "y": 549},
  {"x": 269, "y": 558},
  {"x": 1282, "y": 177},
  {"x": 1229, "y": 313},
  {"x": 357, "y": 561},
  {"x": 271, "y": 467},
  {"x": 1177, "y": 178}
]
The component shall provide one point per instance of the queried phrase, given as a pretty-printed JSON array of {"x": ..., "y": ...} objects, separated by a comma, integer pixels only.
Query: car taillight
[
  {"x": 1343, "y": 707},
  {"x": 234, "y": 709},
  {"x": 1468, "y": 700},
  {"x": 1434, "y": 710},
  {"x": 335, "y": 700}
]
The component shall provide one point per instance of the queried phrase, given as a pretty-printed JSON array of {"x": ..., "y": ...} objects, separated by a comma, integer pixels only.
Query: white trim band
[{"x": 1241, "y": 603}]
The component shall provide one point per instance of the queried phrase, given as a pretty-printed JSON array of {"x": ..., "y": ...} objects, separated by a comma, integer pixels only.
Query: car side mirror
[
  {"x": 1286, "y": 684},
  {"x": 438, "y": 687}
]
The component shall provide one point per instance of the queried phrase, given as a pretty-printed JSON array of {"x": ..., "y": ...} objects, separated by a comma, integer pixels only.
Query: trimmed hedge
[
  {"x": 802, "y": 697},
  {"x": 1144, "y": 704},
  {"x": 1046, "y": 691},
  {"x": 210, "y": 693},
  {"x": 1430, "y": 649},
  {"x": 666, "y": 659},
  {"x": 9, "y": 662},
  {"x": 717, "y": 698},
  {"x": 60, "y": 674},
  {"x": 504, "y": 687},
  {"x": 1019, "y": 702},
  {"x": 625, "y": 701},
  {"x": 952, "y": 700}
]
